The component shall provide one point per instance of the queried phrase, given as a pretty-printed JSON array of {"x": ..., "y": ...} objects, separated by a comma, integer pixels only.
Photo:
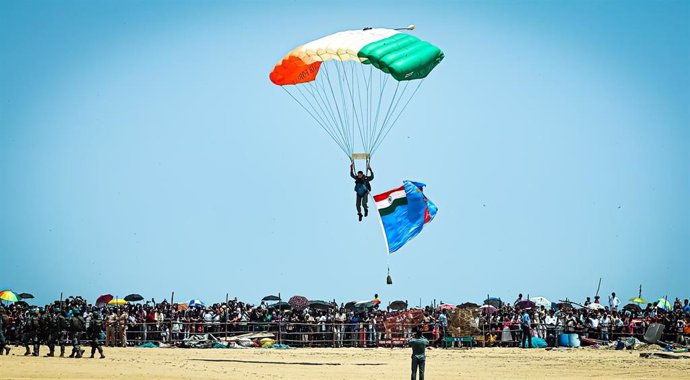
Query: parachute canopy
[{"x": 355, "y": 83}]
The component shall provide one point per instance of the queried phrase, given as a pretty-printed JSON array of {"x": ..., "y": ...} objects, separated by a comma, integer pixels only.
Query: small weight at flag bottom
[{"x": 389, "y": 279}]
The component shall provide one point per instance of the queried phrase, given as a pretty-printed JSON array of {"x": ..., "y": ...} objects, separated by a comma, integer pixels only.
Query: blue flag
[{"x": 404, "y": 212}]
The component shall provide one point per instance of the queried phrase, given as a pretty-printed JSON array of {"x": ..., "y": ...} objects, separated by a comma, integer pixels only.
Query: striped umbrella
[
  {"x": 196, "y": 303},
  {"x": 10, "y": 296},
  {"x": 663, "y": 303}
]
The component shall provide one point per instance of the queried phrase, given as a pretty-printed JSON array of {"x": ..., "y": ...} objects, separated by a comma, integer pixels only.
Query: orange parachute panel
[{"x": 292, "y": 70}]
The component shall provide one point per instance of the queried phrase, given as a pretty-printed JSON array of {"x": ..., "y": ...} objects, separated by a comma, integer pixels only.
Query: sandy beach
[{"x": 348, "y": 363}]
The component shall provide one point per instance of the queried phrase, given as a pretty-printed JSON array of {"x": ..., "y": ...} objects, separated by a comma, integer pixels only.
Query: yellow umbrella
[
  {"x": 8, "y": 295},
  {"x": 117, "y": 301},
  {"x": 638, "y": 300}
]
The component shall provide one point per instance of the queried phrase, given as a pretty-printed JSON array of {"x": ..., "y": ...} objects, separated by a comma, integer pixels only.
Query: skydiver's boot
[
  {"x": 360, "y": 216},
  {"x": 366, "y": 212}
]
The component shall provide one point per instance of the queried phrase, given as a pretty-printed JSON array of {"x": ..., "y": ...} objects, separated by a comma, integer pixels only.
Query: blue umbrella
[{"x": 196, "y": 303}]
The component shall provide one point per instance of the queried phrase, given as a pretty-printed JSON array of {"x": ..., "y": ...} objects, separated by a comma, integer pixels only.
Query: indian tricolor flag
[
  {"x": 387, "y": 202},
  {"x": 404, "y": 212}
]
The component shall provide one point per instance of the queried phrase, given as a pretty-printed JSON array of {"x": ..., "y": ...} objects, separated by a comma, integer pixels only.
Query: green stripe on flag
[{"x": 390, "y": 209}]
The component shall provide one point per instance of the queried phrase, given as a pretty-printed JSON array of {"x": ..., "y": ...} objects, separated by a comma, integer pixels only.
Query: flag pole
[{"x": 389, "y": 279}]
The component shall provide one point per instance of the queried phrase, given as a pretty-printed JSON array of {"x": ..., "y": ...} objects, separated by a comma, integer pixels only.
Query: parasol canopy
[
  {"x": 398, "y": 305},
  {"x": 195, "y": 303},
  {"x": 10, "y": 296},
  {"x": 26, "y": 296},
  {"x": 488, "y": 309},
  {"x": 271, "y": 298},
  {"x": 103, "y": 300},
  {"x": 298, "y": 302},
  {"x": 541, "y": 301},
  {"x": 662, "y": 303},
  {"x": 595, "y": 306},
  {"x": 117, "y": 302},
  {"x": 134, "y": 298}
]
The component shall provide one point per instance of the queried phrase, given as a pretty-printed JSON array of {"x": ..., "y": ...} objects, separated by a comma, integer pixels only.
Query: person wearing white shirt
[
  {"x": 614, "y": 302},
  {"x": 604, "y": 322}
]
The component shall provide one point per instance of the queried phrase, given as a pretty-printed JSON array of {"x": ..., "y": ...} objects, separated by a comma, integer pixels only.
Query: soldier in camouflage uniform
[
  {"x": 94, "y": 334},
  {"x": 4, "y": 324},
  {"x": 63, "y": 330},
  {"x": 76, "y": 329},
  {"x": 32, "y": 330},
  {"x": 52, "y": 332}
]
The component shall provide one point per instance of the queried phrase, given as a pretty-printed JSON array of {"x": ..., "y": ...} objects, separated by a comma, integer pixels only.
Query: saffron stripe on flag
[{"x": 384, "y": 196}]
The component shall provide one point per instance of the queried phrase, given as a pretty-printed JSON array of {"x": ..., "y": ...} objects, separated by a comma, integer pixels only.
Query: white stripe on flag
[{"x": 388, "y": 201}]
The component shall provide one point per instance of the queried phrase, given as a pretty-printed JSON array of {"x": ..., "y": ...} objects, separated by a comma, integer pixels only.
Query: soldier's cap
[{"x": 57, "y": 310}]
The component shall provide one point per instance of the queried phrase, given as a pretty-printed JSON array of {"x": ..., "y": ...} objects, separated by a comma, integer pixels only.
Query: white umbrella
[
  {"x": 541, "y": 301},
  {"x": 595, "y": 306},
  {"x": 195, "y": 303}
]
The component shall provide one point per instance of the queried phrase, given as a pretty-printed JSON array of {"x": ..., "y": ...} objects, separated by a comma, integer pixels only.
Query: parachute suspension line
[
  {"x": 362, "y": 125},
  {"x": 390, "y": 106},
  {"x": 320, "y": 89},
  {"x": 316, "y": 119},
  {"x": 313, "y": 91},
  {"x": 346, "y": 111},
  {"x": 382, "y": 83},
  {"x": 399, "y": 114},
  {"x": 340, "y": 117},
  {"x": 390, "y": 112},
  {"x": 351, "y": 92}
]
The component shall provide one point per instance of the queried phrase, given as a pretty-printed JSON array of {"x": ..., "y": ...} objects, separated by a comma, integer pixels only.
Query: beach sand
[{"x": 344, "y": 363}]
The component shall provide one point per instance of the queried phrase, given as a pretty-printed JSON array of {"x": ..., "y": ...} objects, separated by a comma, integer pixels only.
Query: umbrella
[
  {"x": 181, "y": 306},
  {"x": 564, "y": 305},
  {"x": 298, "y": 302},
  {"x": 638, "y": 300},
  {"x": 365, "y": 304},
  {"x": 323, "y": 305},
  {"x": 25, "y": 296},
  {"x": 271, "y": 298},
  {"x": 595, "y": 306},
  {"x": 488, "y": 309},
  {"x": 663, "y": 303},
  {"x": 103, "y": 300},
  {"x": 350, "y": 305},
  {"x": 525, "y": 304},
  {"x": 133, "y": 298},
  {"x": 280, "y": 306},
  {"x": 398, "y": 305},
  {"x": 117, "y": 302},
  {"x": 445, "y": 306},
  {"x": 541, "y": 301},
  {"x": 10, "y": 296},
  {"x": 493, "y": 301},
  {"x": 195, "y": 303},
  {"x": 632, "y": 307},
  {"x": 468, "y": 305}
]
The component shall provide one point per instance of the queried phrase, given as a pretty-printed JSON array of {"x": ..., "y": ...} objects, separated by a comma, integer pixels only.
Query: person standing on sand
[
  {"x": 418, "y": 344},
  {"x": 525, "y": 323}
]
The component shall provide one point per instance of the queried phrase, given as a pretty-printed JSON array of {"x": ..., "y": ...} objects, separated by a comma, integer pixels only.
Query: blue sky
[{"x": 143, "y": 149}]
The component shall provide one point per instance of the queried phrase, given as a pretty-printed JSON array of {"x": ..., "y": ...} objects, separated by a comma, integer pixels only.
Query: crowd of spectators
[{"x": 338, "y": 325}]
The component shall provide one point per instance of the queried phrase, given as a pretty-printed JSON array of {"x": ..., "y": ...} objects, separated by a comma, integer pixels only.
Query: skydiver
[{"x": 362, "y": 188}]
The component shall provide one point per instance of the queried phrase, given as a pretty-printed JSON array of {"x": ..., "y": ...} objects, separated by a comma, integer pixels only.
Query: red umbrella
[
  {"x": 298, "y": 302},
  {"x": 103, "y": 300},
  {"x": 446, "y": 306},
  {"x": 525, "y": 304}
]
